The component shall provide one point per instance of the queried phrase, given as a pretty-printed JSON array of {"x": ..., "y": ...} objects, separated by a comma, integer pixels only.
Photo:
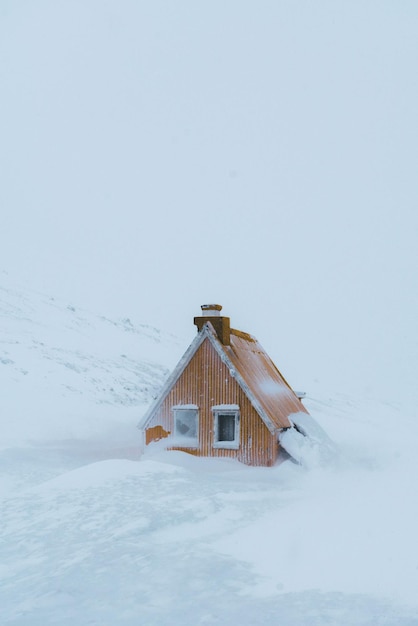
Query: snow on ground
[
  {"x": 93, "y": 534},
  {"x": 176, "y": 540}
]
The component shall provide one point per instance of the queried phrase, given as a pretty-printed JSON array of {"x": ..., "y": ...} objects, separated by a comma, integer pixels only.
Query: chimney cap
[{"x": 211, "y": 310}]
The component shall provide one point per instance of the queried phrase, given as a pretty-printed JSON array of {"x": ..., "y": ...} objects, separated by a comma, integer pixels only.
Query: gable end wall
[{"x": 206, "y": 382}]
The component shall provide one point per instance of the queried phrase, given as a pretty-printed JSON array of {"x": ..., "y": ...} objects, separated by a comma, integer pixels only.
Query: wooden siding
[{"x": 207, "y": 382}]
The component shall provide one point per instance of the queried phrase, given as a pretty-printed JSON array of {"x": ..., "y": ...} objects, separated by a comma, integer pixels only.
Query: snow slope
[
  {"x": 67, "y": 373},
  {"x": 91, "y": 536}
]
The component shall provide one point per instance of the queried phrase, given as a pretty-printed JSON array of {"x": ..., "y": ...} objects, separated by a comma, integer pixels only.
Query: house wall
[{"x": 206, "y": 382}]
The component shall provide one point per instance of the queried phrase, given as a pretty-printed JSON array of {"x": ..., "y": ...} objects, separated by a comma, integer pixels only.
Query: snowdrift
[{"x": 307, "y": 443}]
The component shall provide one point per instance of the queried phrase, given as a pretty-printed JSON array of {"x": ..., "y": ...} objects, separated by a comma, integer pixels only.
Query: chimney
[{"x": 211, "y": 313}]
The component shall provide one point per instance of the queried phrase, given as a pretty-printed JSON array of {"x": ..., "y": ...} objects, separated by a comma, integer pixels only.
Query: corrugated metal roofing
[{"x": 255, "y": 367}]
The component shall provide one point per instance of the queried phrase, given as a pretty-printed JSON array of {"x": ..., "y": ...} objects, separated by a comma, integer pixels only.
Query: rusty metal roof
[{"x": 274, "y": 394}]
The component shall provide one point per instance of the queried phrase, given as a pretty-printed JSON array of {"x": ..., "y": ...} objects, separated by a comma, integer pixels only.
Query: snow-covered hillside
[
  {"x": 93, "y": 534},
  {"x": 68, "y": 373}
]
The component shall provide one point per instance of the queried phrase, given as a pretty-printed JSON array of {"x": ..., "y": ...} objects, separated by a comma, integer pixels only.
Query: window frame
[
  {"x": 180, "y": 440},
  {"x": 231, "y": 409}
]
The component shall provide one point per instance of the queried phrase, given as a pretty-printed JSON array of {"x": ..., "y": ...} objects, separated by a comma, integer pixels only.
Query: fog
[{"x": 156, "y": 156}]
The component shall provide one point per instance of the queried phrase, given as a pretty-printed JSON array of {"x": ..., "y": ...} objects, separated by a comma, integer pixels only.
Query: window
[
  {"x": 226, "y": 426},
  {"x": 186, "y": 425}
]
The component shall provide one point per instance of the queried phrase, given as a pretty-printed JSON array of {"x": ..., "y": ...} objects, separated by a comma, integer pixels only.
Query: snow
[
  {"x": 272, "y": 387},
  {"x": 55, "y": 354},
  {"x": 163, "y": 540},
  {"x": 94, "y": 533},
  {"x": 306, "y": 442},
  {"x": 185, "y": 406},
  {"x": 225, "y": 407}
]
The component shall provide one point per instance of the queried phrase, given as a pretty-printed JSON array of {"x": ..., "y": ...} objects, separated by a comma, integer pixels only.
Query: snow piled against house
[{"x": 307, "y": 443}]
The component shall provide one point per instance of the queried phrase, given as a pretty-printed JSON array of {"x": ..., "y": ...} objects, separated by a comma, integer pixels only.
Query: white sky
[{"x": 155, "y": 156}]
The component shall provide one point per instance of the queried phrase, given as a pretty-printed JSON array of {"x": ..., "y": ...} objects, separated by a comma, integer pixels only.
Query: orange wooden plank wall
[{"x": 207, "y": 382}]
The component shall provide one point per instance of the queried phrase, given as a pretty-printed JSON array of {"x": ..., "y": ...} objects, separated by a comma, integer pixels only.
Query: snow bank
[
  {"x": 104, "y": 472},
  {"x": 306, "y": 442}
]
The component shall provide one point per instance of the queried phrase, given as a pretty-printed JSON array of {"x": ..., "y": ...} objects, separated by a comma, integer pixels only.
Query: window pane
[
  {"x": 186, "y": 423},
  {"x": 226, "y": 427}
]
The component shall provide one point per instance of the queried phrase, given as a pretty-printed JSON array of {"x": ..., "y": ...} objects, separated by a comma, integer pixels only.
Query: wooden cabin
[{"x": 225, "y": 398}]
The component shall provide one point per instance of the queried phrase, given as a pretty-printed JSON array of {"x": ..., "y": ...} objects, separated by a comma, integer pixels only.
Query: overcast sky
[{"x": 264, "y": 155}]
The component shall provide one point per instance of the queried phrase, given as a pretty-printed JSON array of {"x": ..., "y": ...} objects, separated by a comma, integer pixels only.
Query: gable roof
[{"x": 254, "y": 371}]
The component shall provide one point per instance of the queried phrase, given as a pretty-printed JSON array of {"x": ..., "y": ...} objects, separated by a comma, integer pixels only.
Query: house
[{"x": 225, "y": 398}]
